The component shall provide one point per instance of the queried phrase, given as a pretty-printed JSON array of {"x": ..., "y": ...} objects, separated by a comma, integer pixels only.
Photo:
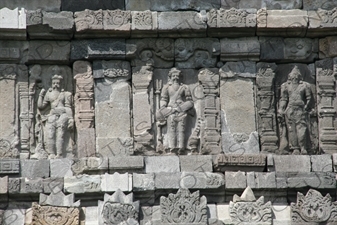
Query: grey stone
[
  {"x": 49, "y": 52},
  {"x": 245, "y": 162},
  {"x": 321, "y": 163},
  {"x": 175, "y": 5},
  {"x": 112, "y": 69},
  {"x": 235, "y": 180},
  {"x": 14, "y": 215},
  {"x": 98, "y": 49},
  {"x": 196, "y": 163},
  {"x": 245, "y": 69},
  {"x": 61, "y": 167},
  {"x": 52, "y": 185},
  {"x": 117, "y": 23},
  {"x": 82, "y": 184},
  {"x": 240, "y": 49},
  {"x": 4, "y": 185},
  {"x": 314, "y": 5},
  {"x": 164, "y": 180},
  {"x": 327, "y": 47},
  {"x": 13, "y": 23},
  {"x": 34, "y": 168},
  {"x": 201, "y": 180},
  {"x": 86, "y": 142},
  {"x": 317, "y": 180},
  {"x": 91, "y": 215},
  {"x": 9, "y": 166},
  {"x": 334, "y": 161},
  {"x": 265, "y": 180},
  {"x": 321, "y": 23},
  {"x": 31, "y": 185},
  {"x": 144, "y": 24},
  {"x": 182, "y": 24},
  {"x": 143, "y": 182},
  {"x": 292, "y": 163},
  {"x": 127, "y": 162},
  {"x": 14, "y": 51},
  {"x": 90, "y": 164},
  {"x": 59, "y": 199},
  {"x": 257, "y": 4},
  {"x": 79, "y": 5},
  {"x": 110, "y": 147},
  {"x": 46, "y": 5},
  {"x": 157, "y": 164},
  {"x": 14, "y": 185},
  {"x": 116, "y": 181}
]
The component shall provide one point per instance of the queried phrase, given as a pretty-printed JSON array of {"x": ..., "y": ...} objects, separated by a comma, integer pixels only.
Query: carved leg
[
  {"x": 181, "y": 133},
  {"x": 61, "y": 129},
  {"x": 51, "y": 134},
  {"x": 302, "y": 137},
  {"x": 171, "y": 132}
]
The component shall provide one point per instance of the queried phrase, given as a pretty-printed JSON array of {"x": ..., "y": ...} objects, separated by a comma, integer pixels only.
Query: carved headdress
[{"x": 295, "y": 72}]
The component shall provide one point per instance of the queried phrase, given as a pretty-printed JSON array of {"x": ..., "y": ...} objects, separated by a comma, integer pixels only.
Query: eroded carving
[
  {"x": 89, "y": 20},
  {"x": 183, "y": 208}
]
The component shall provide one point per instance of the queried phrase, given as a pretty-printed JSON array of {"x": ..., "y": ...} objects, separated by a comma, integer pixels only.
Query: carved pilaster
[
  {"x": 210, "y": 134},
  {"x": 327, "y": 105},
  {"x": 266, "y": 107}
]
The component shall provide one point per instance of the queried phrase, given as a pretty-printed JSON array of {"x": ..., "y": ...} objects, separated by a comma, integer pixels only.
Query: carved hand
[
  {"x": 43, "y": 92},
  {"x": 70, "y": 124}
]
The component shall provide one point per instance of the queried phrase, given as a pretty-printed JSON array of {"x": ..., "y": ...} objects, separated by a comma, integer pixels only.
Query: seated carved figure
[
  {"x": 293, "y": 114},
  {"x": 56, "y": 124},
  {"x": 175, "y": 101}
]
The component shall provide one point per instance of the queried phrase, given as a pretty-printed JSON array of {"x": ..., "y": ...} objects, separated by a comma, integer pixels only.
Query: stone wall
[{"x": 168, "y": 112}]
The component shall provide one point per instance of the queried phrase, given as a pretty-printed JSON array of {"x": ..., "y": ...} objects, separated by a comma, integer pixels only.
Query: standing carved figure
[
  {"x": 175, "y": 101},
  {"x": 293, "y": 114},
  {"x": 59, "y": 120}
]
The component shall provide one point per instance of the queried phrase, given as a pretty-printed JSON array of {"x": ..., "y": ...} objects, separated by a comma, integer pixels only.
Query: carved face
[
  {"x": 297, "y": 48},
  {"x": 183, "y": 49},
  {"x": 56, "y": 84},
  {"x": 175, "y": 76}
]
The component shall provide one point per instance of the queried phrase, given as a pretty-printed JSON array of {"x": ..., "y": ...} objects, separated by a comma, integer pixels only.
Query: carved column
[
  {"x": 84, "y": 109},
  {"x": 210, "y": 138},
  {"x": 142, "y": 117},
  {"x": 327, "y": 104},
  {"x": 266, "y": 107}
]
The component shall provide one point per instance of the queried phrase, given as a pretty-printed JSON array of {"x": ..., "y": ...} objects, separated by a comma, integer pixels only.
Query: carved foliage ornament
[
  {"x": 327, "y": 16},
  {"x": 183, "y": 208},
  {"x": 313, "y": 208},
  {"x": 143, "y": 18},
  {"x": 116, "y": 213},
  {"x": 50, "y": 215},
  {"x": 232, "y": 16}
]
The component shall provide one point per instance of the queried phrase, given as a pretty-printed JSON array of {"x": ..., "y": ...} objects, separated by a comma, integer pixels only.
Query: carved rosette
[
  {"x": 313, "y": 208},
  {"x": 50, "y": 215},
  {"x": 116, "y": 19},
  {"x": 232, "y": 17},
  {"x": 183, "y": 208},
  {"x": 143, "y": 19}
]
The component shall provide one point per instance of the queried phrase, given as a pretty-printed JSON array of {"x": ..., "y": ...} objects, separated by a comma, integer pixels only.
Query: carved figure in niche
[
  {"x": 175, "y": 102},
  {"x": 56, "y": 124},
  {"x": 293, "y": 114}
]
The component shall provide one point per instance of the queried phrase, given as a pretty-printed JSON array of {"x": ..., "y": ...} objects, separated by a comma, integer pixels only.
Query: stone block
[
  {"x": 143, "y": 182},
  {"x": 34, "y": 168},
  {"x": 13, "y": 23},
  {"x": 201, "y": 180},
  {"x": 164, "y": 180},
  {"x": 321, "y": 163},
  {"x": 235, "y": 180},
  {"x": 144, "y": 24},
  {"x": 79, "y": 5},
  {"x": 90, "y": 164},
  {"x": 182, "y": 24},
  {"x": 110, "y": 69},
  {"x": 14, "y": 216},
  {"x": 9, "y": 166},
  {"x": 196, "y": 163},
  {"x": 317, "y": 180},
  {"x": 45, "y": 52},
  {"x": 117, "y": 23},
  {"x": 258, "y": 4},
  {"x": 265, "y": 180},
  {"x": 86, "y": 142},
  {"x": 287, "y": 23},
  {"x": 46, "y": 5},
  {"x": 53, "y": 185},
  {"x": 89, "y": 23},
  {"x": 116, "y": 181},
  {"x": 281, "y": 180},
  {"x": 4, "y": 185},
  {"x": 14, "y": 51},
  {"x": 334, "y": 161},
  {"x": 82, "y": 183},
  {"x": 244, "y": 69},
  {"x": 174, "y": 5},
  {"x": 292, "y": 163},
  {"x": 14, "y": 185},
  {"x": 110, "y": 147},
  {"x": 240, "y": 49},
  {"x": 321, "y": 23},
  {"x": 288, "y": 49},
  {"x": 61, "y": 167},
  {"x": 242, "y": 162},
  {"x": 314, "y": 5},
  {"x": 328, "y": 47},
  {"x": 223, "y": 212},
  {"x": 157, "y": 164},
  {"x": 282, "y": 214},
  {"x": 126, "y": 163},
  {"x": 91, "y": 215},
  {"x": 31, "y": 186},
  {"x": 98, "y": 49}
]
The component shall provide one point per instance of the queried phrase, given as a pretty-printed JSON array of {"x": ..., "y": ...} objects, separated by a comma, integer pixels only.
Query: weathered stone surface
[
  {"x": 144, "y": 24},
  {"x": 61, "y": 167},
  {"x": 13, "y": 51},
  {"x": 235, "y": 180},
  {"x": 258, "y": 4},
  {"x": 14, "y": 185},
  {"x": 245, "y": 69},
  {"x": 185, "y": 23},
  {"x": 327, "y": 47},
  {"x": 34, "y": 168},
  {"x": 88, "y": 22},
  {"x": 282, "y": 214},
  {"x": 239, "y": 135},
  {"x": 243, "y": 162},
  {"x": 292, "y": 163},
  {"x": 334, "y": 161},
  {"x": 321, "y": 163},
  {"x": 9, "y": 166},
  {"x": 259, "y": 180},
  {"x": 79, "y": 5},
  {"x": 240, "y": 49},
  {"x": 196, "y": 163},
  {"x": 82, "y": 183},
  {"x": 126, "y": 162},
  {"x": 319, "y": 180},
  {"x": 321, "y": 23},
  {"x": 116, "y": 181},
  {"x": 288, "y": 49},
  {"x": 157, "y": 164},
  {"x": 31, "y": 185},
  {"x": 91, "y": 215},
  {"x": 143, "y": 182},
  {"x": 165, "y": 180},
  {"x": 14, "y": 215},
  {"x": 314, "y": 5},
  {"x": 201, "y": 180},
  {"x": 90, "y": 164},
  {"x": 46, "y": 52},
  {"x": 117, "y": 23},
  {"x": 13, "y": 23},
  {"x": 59, "y": 199},
  {"x": 175, "y": 5},
  {"x": 52, "y": 185},
  {"x": 4, "y": 185},
  {"x": 98, "y": 49},
  {"x": 46, "y": 5},
  {"x": 300, "y": 209}
]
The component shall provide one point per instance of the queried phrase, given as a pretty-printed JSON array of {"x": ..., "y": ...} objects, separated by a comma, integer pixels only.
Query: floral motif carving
[
  {"x": 232, "y": 16},
  {"x": 328, "y": 16},
  {"x": 116, "y": 18},
  {"x": 89, "y": 19},
  {"x": 183, "y": 208},
  {"x": 313, "y": 208},
  {"x": 143, "y": 19}
]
